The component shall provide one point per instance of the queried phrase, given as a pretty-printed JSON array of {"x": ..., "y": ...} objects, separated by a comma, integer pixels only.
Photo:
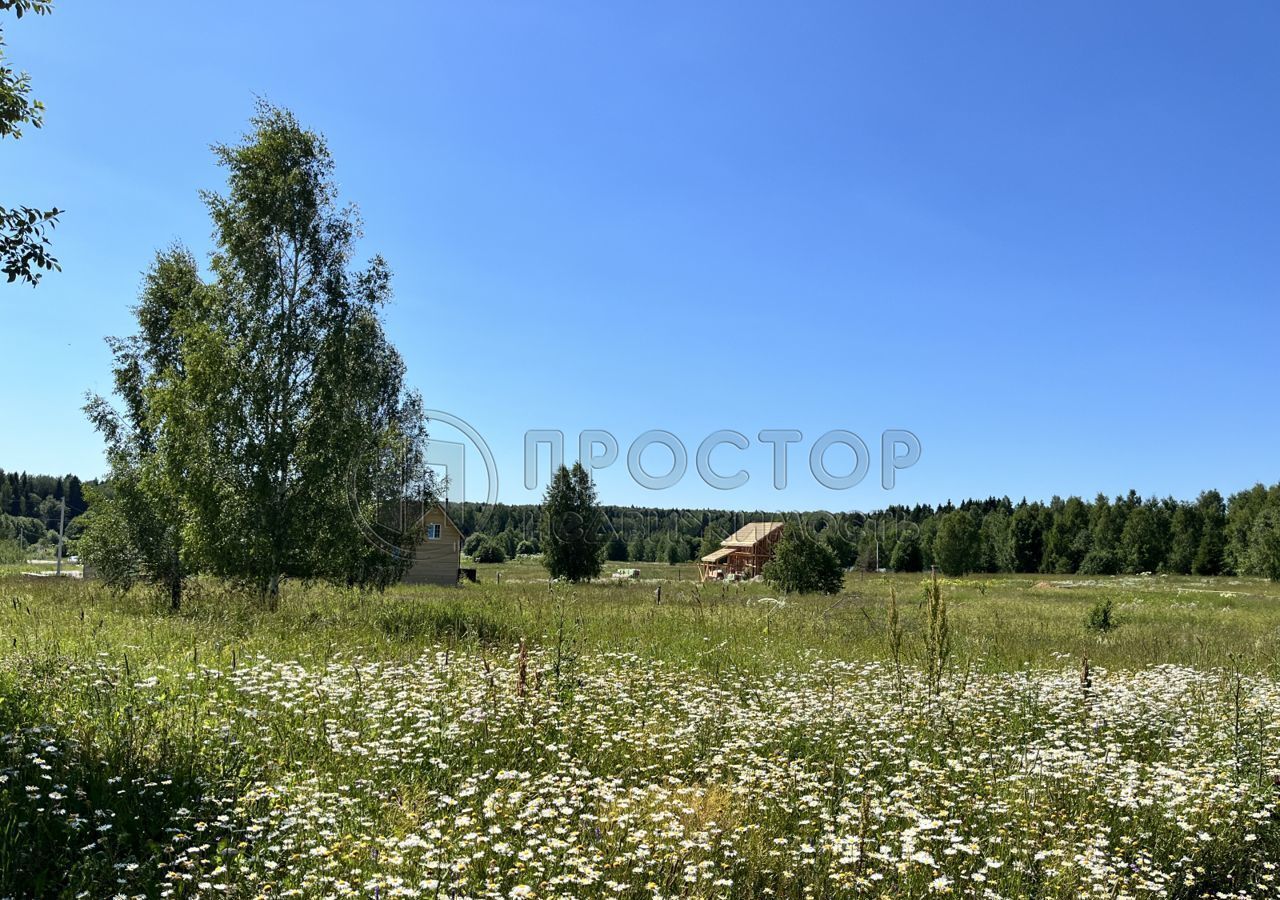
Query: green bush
[
  {"x": 1100, "y": 562},
  {"x": 489, "y": 551},
  {"x": 1100, "y": 616},
  {"x": 802, "y": 564}
]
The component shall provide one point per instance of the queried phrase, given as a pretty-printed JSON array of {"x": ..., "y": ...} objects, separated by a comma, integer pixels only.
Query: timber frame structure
[{"x": 742, "y": 554}]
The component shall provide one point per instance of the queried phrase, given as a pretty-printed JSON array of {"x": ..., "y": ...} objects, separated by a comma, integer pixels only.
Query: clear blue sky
[{"x": 1045, "y": 238}]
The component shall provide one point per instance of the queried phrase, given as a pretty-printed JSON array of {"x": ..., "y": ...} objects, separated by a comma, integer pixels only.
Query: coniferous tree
[
  {"x": 1185, "y": 534},
  {"x": 571, "y": 526},
  {"x": 1210, "y": 557}
]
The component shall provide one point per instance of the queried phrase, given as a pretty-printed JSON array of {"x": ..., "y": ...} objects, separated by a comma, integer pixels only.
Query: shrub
[
  {"x": 489, "y": 551},
  {"x": 804, "y": 565},
  {"x": 1100, "y": 616},
  {"x": 526, "y": 548},
  {"x": 473, "y": 543},
  {"x": 1100, "y": 562}
]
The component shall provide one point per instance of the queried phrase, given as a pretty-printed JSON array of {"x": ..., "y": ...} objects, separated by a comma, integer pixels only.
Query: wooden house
[
  {"x": 743, "y": 553},
  {"x": 436, "y": 560}
]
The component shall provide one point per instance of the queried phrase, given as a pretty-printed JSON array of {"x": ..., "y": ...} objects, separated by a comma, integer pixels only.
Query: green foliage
[
  {"x": 24, "y": 239},
  {"x": 260, "y": 409},
  {"x": 638, "y": 550},
  {"x": 1100, "y": 562},
  {"x": 489, "y": 551},
  {"x": 996, "y": 542},
  {"x": 12, "y": 551},
  {"x": 25, "y": 244},
  {"x": 1264, "y": 544},
  {"x": 528, "y": 548},
  {"x": 1100, "y": 617},
  {"x": 1067, "y": 541},
  {"x": 474, "y": 542},
  {"x": 572, "y": 526},
  {"x": 710, "y": 542},
  {"x": 907, "y": 556},
  {"x": 1027, "y": 537},
  {"x": 802, "y": 564},
  {"x": 615, "y": 549},
  {"x": 956, "y": 548},
  {"x": 1210, "y": 556},
  {"x": 276, "y": 744},
  {"x": 453, "y": 621},
  {"x": 136, "y": 531},
  {"x": 136, "y": 793},
  {"x": 845, "y": 550},
  {"x": 1144, "y": 541}
]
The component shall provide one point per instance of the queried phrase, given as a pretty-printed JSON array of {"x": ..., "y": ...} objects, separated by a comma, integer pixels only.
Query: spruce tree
[{"x": 571, "y": 526}]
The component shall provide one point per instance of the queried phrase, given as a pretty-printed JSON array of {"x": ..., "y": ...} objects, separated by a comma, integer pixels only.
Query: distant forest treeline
[
  {"x": 30, "y": 506},
  {"x": 1207, "y": 536},
  {"x": 1106, "y": 536}
]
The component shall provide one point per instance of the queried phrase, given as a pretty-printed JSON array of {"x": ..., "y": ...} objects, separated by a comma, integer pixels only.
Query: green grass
[{"x": 721, "y": 742}]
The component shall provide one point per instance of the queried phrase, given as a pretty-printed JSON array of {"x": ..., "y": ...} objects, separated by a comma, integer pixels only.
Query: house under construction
[{"x": 742, "y": 554}]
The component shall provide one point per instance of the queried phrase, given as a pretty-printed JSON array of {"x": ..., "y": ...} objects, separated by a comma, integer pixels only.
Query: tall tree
[
  {"x": 957, "y": 548},
  {"x": 997, "y": 545},
  {"x": 1144, "y": 539},
  {"x": 24, "y": 239},
  {"x": 1027, "y": 537},
  {"x": 278, "y": 424},
  {"x": 1067, "y": 540},
  {"x": 135, "y": 530},
  {"x": 1210, "y": 557},
  {"x": 907, "y": 556},
  {"x": 1242, "y": 509},
  {"x": 1264, "y": 545},
  {"x": 572, "y": 525},
  {"x": 1186, "y": 529}
]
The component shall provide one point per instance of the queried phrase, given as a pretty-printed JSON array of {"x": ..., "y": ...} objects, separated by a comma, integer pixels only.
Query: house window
[{"x": 433, "y": 531}]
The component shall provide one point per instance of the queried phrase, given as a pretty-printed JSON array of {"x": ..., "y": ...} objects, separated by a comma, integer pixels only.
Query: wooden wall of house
[{"x": 436, "y": 562}]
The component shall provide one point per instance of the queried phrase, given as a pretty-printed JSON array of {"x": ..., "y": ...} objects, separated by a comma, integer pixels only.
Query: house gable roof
[{"x": 751, "y": 534}]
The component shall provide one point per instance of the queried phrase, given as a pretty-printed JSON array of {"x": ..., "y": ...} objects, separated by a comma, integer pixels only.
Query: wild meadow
[{"x": 1020, "y": 736}]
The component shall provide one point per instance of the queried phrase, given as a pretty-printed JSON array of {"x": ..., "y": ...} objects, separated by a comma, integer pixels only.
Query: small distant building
[
  {"x": 437, "y": 558},
  {"x": 743, "y": 553}
]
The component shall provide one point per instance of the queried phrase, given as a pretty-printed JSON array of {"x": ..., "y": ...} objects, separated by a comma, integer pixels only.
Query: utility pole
[{"x": 62, "y": 525}]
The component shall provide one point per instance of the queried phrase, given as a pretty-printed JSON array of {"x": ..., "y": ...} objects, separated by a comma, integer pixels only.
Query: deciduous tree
[
  {"x": 802, "y": 564},
  {"x": 24, "y": 230}
]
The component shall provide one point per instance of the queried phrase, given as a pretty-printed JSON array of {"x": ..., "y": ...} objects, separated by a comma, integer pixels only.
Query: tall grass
[{"x": 722, "y": 743}]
